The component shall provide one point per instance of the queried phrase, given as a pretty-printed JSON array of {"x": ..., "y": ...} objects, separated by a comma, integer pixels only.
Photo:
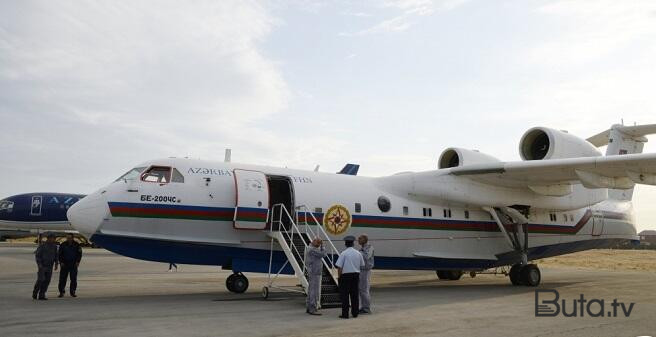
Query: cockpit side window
[
  {"x": 177, "y": 177},
  {"x": 6, "y": 205},
  {"x": 157, "y": 174},
  {"x": 132, "y": 174}
]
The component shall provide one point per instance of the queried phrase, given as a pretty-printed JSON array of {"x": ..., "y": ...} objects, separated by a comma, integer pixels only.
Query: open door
[{"x": 251, "y": 211}]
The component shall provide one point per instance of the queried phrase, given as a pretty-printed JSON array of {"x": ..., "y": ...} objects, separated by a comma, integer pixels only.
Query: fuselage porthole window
[{"x": 384, "y": 204}]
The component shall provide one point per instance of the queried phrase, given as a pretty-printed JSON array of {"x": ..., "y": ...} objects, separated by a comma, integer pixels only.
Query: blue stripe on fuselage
[{"x": 257, "y": 260}]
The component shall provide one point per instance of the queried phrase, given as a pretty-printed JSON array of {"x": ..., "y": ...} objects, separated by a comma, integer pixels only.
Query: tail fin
[
  {"x": 350, "y": 169},
  {"x": 623, "y": 140}
]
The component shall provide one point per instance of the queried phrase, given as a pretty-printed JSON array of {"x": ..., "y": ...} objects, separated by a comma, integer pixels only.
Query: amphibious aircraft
[
  {"x": 38, "y": 212},
  {"x": 473, "y": 213}
]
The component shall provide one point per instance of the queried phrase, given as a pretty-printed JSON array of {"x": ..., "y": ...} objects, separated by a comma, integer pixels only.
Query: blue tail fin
[{"x": 350, "y": 169}]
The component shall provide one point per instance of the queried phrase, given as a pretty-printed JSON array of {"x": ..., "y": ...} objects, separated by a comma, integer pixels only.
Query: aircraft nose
[{"x": 88, "y": 214}]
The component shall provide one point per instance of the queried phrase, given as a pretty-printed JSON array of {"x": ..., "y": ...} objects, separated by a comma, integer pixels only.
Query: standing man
[
  {"x": 314, "y": 266},
  {"x": 46, "y": 258},
  {"x": 348, "y": 268},
  {"x": 367, "y": 252},
  {"x": 70, "y": 255}
]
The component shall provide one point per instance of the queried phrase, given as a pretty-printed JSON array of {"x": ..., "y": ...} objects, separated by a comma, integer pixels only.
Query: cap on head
[
  {"x": 51, "y": 235},
  {"x": 349, "y": 238}
]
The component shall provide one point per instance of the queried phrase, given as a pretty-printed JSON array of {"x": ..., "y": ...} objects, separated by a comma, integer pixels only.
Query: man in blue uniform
[
  {"x": 348, "y": 268},
  {"x": 46, "y": 258},
  {"x": 70, "y": 255}
]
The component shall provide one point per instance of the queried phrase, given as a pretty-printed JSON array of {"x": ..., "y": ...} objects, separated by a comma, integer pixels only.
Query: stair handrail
[
  {"x": 286, "y": 232},
  {"x": 321, "y": 233}
]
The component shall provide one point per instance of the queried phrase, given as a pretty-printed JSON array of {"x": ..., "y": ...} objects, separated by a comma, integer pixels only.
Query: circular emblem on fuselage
[{"x": 337, "y": 220}]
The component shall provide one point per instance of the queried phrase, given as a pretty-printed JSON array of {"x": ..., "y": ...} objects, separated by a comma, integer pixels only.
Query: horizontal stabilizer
[
  {"x": 350, "y": 169},
  {"x": 456, "y": 256},
  {"x": 636, "y": 131}
]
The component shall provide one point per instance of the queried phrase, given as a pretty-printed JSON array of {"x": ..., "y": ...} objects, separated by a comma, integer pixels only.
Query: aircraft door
[
  {"x": 597, "y": 225},
  {"x": 252, "y": 208},
  {"x": 37, "y": 202}
]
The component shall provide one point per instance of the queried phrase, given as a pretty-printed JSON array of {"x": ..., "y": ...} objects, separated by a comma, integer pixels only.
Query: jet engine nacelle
[
  {"x": 454, "y": 157},
  {"x": 541, "y": 143}
]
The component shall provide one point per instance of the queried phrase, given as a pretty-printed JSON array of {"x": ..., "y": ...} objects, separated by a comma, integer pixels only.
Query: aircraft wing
[{"x": 554, "y": 176}]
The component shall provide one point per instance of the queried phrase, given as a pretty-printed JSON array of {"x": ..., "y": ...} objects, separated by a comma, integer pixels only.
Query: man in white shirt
[{"x": 348, "y": 268}]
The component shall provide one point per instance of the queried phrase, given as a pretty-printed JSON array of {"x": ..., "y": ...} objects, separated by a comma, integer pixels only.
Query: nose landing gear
[{"x": 237, "y": 283}]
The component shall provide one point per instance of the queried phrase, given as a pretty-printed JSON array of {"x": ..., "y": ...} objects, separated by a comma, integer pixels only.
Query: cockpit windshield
[
  {"x": 6, "y": 206},
  {"x": 132, "y": 174},
  {"x": 157, "y": 174}
]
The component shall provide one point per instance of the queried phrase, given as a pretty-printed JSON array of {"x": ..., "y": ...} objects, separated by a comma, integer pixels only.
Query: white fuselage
[{"x": 167, "y": 221}]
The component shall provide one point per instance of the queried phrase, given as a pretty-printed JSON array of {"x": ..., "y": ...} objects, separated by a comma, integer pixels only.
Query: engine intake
[
  {"x": 455, "y": 157},
  {"x": 543, "y": 143}
]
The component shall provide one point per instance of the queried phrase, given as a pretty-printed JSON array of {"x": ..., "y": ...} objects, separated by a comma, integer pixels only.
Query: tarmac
[{"x": 119, "y": 296}]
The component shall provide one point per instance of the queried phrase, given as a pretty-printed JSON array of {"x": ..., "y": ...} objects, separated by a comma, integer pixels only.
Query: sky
[{"x": 89, "y": 89}]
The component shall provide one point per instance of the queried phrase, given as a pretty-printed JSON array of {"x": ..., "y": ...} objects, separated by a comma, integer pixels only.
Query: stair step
[{"x": 331, "y": 305}]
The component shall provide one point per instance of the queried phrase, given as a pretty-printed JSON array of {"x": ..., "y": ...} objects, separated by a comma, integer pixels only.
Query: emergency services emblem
[{"x": 337, "y": 220}]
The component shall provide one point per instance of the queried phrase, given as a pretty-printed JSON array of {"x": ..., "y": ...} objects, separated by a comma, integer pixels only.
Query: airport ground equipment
[{"x": 294, "y": 236}]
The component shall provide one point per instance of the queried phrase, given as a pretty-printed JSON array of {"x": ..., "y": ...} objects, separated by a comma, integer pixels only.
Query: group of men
[
  {"x": 354, "y": 276},
  {"x": 49, "y": 255}
]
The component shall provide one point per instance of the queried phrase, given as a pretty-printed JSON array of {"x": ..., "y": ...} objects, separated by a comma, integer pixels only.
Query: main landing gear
[
  {"x": 528, "y": 275},
  {"x": 237, "y": 283}
]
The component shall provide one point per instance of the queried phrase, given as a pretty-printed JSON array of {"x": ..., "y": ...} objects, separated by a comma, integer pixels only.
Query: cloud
[
  {"x": 590, "y": 31},
  {"x": 106, "y": 84},
  {"x": 407, "y": 12}
]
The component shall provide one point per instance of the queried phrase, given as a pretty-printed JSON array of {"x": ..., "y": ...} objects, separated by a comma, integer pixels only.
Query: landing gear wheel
[
  {"x": 229, "y": 282},
  {"x": 451, "y": 275},
  {"x": 239, "y": 283},
  {"x": 515, "y": 275},
  {"x": 455, "y": 275},
  {"x": 265, "y": 292},
  {"x": 530, "y": 275},
  {"x": 442, "y": 274}
]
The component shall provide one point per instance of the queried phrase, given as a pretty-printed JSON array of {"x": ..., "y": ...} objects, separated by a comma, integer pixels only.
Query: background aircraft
[{"x": 36, "y": 213}]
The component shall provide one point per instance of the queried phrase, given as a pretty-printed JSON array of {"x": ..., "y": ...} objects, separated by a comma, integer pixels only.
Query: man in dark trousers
[
  {"x": 70, "y": 255},
  {"x": 46, "y": 258},
  {"x": 348, "y": 269}
]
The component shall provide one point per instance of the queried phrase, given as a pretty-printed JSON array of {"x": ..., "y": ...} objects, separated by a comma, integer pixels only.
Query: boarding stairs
[{"x": 294, "y": 237}]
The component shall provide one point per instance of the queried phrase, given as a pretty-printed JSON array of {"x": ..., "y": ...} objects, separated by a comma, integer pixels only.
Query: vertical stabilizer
[{"x": 623, "y": 140}]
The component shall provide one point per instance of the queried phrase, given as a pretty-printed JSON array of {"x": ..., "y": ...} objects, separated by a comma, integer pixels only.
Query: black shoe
[
  {"x": 34, "y": 296},
  {"x": 73, "y": 295},
  {"x": 43, "y": 298},
  {"x": 344, "y": 317},
  {"x": 61, "y": 295},
  {"x": 363, "y": 311},
  {"x": 355, "y": 316}
]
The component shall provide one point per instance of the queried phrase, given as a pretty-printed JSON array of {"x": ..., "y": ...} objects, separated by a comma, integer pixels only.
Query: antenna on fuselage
[
  {"x": 316, "y": 168},
  {"x": 228, "y": 155}
]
